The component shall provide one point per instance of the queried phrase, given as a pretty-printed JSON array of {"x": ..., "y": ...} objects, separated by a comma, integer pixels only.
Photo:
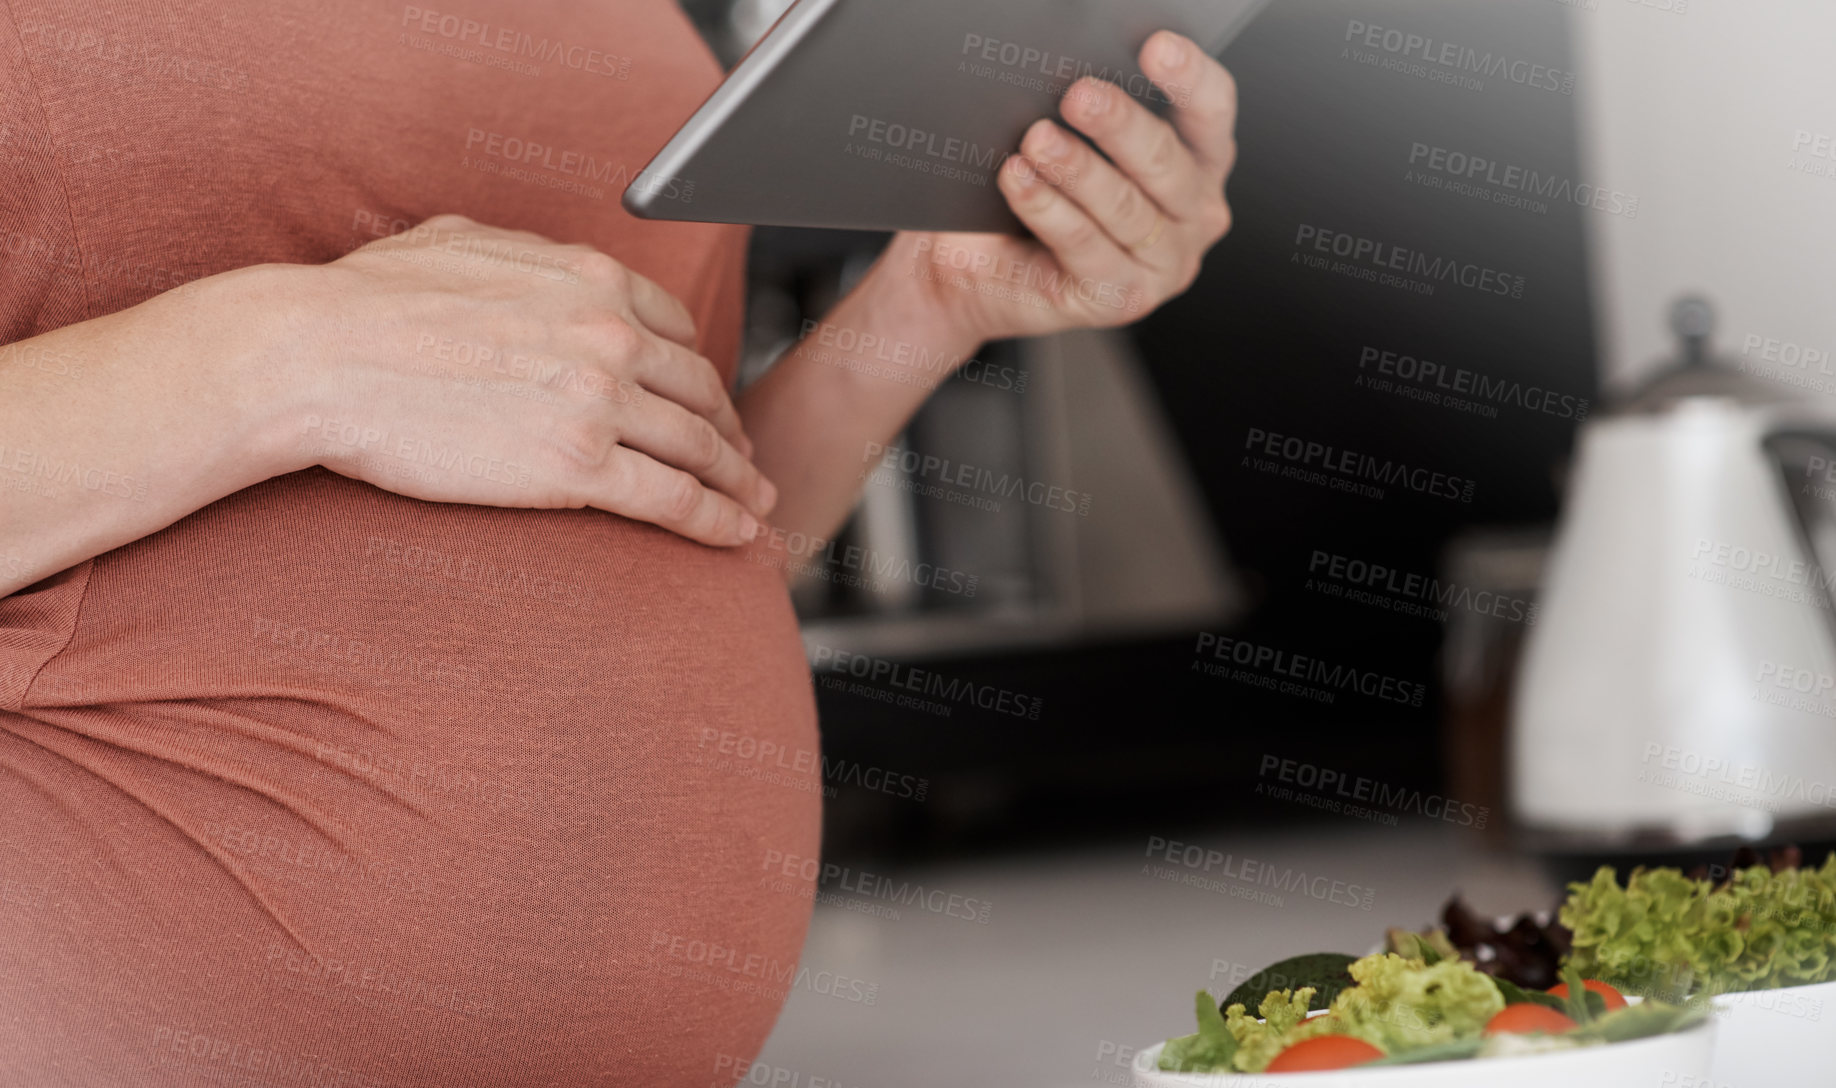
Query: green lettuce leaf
[
  {"x": 1582, "y": 1005},
  {"x": 1430, "y": 947},
  {"x": 1666, "y": 936},
  {"x": 1453, "y": 1051},
  {"x": 1208, "y": 1051},
  {"x": 1516, "y": 995},
  {"x": 1643, "y": 1020}
]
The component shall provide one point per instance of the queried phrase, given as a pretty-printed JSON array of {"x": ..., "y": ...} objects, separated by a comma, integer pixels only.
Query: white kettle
[{"x": 1679, "y": 688}]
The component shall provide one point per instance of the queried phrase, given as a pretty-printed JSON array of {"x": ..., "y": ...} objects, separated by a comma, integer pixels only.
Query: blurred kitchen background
[{"x": 1683, "y": 153}]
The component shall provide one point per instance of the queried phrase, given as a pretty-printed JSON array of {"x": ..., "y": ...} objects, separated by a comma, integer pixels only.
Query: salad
[
  {"x": 1764, "y": 923},
  {"x": 1662, "y": 933},
  {"x": 1467, "y": 988},
  {"x": 1406, "y": 1009}
]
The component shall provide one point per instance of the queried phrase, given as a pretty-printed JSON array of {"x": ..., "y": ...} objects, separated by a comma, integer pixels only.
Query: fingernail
[
  {"x": 1095, "y": 97},
  {"x": 1047, "y": 141},
  {"x": 748, "y": 528},
  {"x": 768, "y": 495},
  {"x": 1171, "y": 51},
  {"x": 1023, "y": 171}
]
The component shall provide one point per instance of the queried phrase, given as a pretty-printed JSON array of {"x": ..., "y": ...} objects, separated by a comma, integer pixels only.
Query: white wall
[{"x": 1696, "y": 113}]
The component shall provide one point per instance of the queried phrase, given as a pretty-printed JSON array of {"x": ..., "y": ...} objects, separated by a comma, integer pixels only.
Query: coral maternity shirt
[{"x": 325, "y": 786}]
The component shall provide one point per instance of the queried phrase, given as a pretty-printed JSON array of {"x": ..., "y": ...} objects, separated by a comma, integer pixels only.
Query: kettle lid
[{"x": 1696, "y": 373}]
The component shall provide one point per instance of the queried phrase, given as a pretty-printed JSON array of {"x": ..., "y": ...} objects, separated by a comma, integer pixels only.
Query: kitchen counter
[{"x": 1049, "y": 970}]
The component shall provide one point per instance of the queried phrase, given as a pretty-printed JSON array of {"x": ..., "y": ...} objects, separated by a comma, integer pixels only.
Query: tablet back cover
[{"x": 897, "y": 114}]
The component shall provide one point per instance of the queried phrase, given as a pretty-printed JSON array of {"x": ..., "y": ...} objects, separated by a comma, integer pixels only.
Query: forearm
[
  {"x": 853, "y": 381},
  {"x": 115, "y": 428}
]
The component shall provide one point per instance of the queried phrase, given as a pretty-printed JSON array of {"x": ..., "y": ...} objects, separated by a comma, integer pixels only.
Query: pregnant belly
[{"x": 408, "y": 794}]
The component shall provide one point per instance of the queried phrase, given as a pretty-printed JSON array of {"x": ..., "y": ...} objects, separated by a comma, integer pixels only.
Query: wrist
[
  {"x": 265, "y": 355},
  {"x": 910, "y": 315},
  {"x": 905, "y": 276}
]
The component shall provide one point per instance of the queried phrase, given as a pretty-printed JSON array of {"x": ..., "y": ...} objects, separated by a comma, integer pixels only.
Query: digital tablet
[{"x": 898, "y": 114}]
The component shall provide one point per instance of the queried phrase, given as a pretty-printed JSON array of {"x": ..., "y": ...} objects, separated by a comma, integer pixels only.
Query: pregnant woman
[{"x": 388, "y": 618}]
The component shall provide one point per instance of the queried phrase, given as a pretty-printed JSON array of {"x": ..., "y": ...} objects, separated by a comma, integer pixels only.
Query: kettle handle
[{"x": 1813, "y": 504}]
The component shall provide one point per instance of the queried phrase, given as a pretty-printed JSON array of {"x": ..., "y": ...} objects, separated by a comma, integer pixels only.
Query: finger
[
  {"x": 1144, "y": 147},
  {"x": 629, "y": 290},
  {"x": 448, "y": 226},
  {"x": 1115, "y": 202},
  {"x": 644, "y": 489},
  {"x": 662, "y": 312},
  {"x": 1082, "y": 248},
  {"x": 678, "y": 437},
  {"x": 674, "y": 372},
  {"x": 1204, "y": 97}
]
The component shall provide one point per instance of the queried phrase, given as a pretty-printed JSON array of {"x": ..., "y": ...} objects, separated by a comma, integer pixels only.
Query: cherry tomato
[
  {"x": 1526, "y": 1019},
  {"x": 1613, "y": 998},
  {"x": 1324, "y": 1052}
]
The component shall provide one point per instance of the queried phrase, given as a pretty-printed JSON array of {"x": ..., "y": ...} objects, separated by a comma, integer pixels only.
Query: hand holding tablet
[
  {"x": 1120, "y": 205},
  {"x": 890, "y": 115},
  {"x": 1120, "y": 224}
]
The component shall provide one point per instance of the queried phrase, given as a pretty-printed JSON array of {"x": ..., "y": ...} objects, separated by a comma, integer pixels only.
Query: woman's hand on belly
[{"x": 460, "y": 363}]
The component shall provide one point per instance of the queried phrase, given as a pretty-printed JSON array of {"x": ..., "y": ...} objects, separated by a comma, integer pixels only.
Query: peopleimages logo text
[
  {"x": 1459, "y": 58},
  {"x": 1521, "y": 180},
  {"x": 877, "y": 457},
  {"x": 1200, "y": 859},
  {"x": 1043, "y": 70},
  {"x": 905, "y": 893},
  {"x": 1327, "y": 780},
  {"x": 1790, "y": 569},
  {"x": 1310, "y": 670},
  {"x": 517, "y": 43},
  {"x": 933, "y": 145},
  {"x": 580, "y": 164},
  {"x": 927, "y": 682},
  {"x": 1420, "y": 587},
  {"x": 1358, "y": 466},
  {"x": 1749, "y": 777},
  {"x": 1376, "y": 255},
  {"x": 1452, "y": 379}
]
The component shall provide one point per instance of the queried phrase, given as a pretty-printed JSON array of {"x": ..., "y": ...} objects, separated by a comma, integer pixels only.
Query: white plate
[
  {"x": 1774, "y": 1038},
  {"x": 1680, "y": 1060}
]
